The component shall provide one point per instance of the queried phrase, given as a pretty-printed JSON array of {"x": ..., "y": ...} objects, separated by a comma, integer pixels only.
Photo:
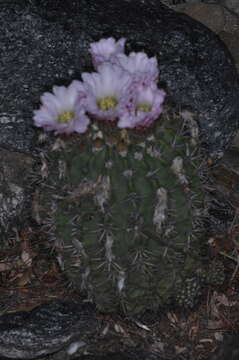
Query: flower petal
[
  {"x": 147, "y": 108},
  {"x": 60, "y": 111},
  {"x": 105, "y": 49},
  {"x": 143, "y": 68},
  {"x": 111, "y": 86}
]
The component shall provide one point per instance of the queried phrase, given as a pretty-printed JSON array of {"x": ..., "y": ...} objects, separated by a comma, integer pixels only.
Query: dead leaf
[
  {"x": 26, "y": 258},
  {"x": 215, "y": 324},
  {"x": 4, "y": 266},
  {"x": 223, "y": 299},
  {"x": 142, "y": 326}
]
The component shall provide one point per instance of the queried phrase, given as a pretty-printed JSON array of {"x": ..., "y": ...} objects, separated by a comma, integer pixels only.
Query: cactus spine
[{"x": 124, "y": 208}]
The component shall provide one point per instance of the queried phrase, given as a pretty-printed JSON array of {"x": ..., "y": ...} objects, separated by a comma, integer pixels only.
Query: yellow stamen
[
  {"x": 66, "y": 116},
  {"x": 107, "y": 102},
  {"x": 144, "y": 107}
]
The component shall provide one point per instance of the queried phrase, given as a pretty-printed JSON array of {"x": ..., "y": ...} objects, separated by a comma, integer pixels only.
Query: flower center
[
  {"x": 66, "y": 116},
  {"x": 144, "y": 107},
  {"x": 107, "y": 103}
]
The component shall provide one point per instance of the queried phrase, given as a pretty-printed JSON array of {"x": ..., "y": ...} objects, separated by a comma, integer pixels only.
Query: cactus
[{"x": 124, "y": 209}]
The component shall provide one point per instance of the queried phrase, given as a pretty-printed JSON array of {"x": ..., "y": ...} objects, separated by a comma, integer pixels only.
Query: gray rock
[
  {"x": 45, "y": 329},
  {"x": 16, "y": 135},
  {"x": 45, "y": 43},
  {"x": 232, "y": 5},
  {"x": 229, "y": 350},
  {"x": 51, "y": 327},
  {"x": 34, "y": 56},
  {"x": 210, "y": 15},
  {"x": 131, "y": 354},
  {"x": 15, "y": 197}
]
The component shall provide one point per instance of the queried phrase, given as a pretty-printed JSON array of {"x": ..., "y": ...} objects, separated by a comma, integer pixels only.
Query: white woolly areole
[
  {"x": 121, "y": 281},
  {"x": 188, "y": 117},
  {"x": 108, "y": 250},
  {"x": 178, "y": 170},
  {"x": 103, "y": 192},
  {"x": 160, "y": 211}
]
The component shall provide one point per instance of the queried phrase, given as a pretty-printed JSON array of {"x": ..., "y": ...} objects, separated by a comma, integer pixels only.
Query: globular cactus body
[{"x": 123, "y": 208}]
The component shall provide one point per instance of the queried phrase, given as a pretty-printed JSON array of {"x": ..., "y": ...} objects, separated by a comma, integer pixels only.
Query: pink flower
[
  {"x": 123, "y": 89},
  {"x": 60, "y": 111},
  {"x": 146, "y": 108},
  {"x": 106, "y": 93},
  {"x": 105, "y": 49},
  {"x": 143, "y": 69}
]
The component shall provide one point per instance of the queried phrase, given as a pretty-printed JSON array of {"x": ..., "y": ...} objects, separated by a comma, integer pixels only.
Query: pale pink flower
[
  {"x": 146, "y": 107},
  {"x": 106, "y": 93},
  {"x": 59, "y": 111},
  {"x": 105, "y": 49},
  {"x": 140, "y": 66}
]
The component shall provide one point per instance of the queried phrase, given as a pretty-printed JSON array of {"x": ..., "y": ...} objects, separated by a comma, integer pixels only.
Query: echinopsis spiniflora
[{"x": 123, "y": 202}]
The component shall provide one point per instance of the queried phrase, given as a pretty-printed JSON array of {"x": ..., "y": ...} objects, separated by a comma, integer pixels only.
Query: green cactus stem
[{"x": 124, "y": 210}]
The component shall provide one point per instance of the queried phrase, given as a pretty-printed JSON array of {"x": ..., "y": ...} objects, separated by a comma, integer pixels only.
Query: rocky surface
[
  {"x": 46, "y": 329},
  {"x": 131, "y": 354},
  {"x": 231, "y": 5},
  {"x": 229, "y": 350},
  {"x": 211, "y": 16},
  {"x": 14, "y": 188},
  {"x": 232, "y": 42},
  {"x": 220, "y": 16}
]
